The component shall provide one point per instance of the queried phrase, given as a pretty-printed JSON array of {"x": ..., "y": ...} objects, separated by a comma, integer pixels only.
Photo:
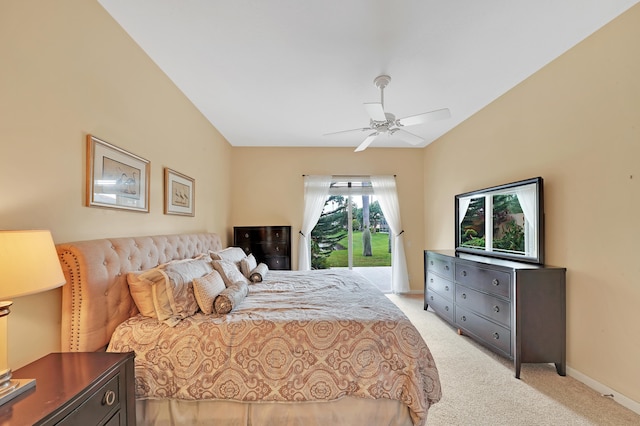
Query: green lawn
[{"x": 379, "y": 249}]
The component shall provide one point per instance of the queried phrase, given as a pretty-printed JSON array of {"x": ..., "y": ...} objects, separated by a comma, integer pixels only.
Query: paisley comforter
[{"x": 297, "y": 336}]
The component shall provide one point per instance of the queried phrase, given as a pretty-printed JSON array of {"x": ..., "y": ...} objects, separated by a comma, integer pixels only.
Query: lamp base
[{"x": 15, "y": 388}]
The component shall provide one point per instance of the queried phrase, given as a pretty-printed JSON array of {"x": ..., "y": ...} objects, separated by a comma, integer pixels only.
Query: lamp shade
[{"x": 29, "y": 263}]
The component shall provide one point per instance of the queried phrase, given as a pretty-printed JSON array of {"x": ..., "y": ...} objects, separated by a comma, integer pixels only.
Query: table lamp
[{"x": 28, "y": 264}]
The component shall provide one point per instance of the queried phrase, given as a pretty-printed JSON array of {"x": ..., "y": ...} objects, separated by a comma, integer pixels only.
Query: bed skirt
[{"x": 347, "y": 411}]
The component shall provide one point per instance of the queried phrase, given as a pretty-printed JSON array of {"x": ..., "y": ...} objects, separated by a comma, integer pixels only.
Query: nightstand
[{"x": 75, "y": 388}]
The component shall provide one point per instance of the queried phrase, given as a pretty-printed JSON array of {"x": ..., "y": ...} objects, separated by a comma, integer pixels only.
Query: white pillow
[
  {"x": 229, "y": 272},
  {"x": 247, "y": 265},
  {"x": 232, "y": 254}
]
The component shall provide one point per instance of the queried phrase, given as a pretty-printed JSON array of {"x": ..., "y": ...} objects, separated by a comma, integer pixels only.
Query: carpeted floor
[
  {"x": 479, "y": 387},
  {"x": 380, "y": 276}
]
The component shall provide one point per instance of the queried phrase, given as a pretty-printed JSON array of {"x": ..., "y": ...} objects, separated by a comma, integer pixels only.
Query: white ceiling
[{"x": 285, "y": 72}]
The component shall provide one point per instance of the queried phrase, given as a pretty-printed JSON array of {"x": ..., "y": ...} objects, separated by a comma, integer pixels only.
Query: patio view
[{"x": 368, "y": 238}]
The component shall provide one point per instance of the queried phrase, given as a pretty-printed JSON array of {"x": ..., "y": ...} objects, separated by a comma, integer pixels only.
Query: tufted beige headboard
[{"x": 96, "y": 297}]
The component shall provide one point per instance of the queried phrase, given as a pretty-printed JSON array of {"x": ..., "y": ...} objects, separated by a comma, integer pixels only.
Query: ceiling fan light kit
[{"x": 382, "y": 122}]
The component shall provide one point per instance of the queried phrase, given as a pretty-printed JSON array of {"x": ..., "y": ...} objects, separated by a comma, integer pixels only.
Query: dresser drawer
[
  {"x": 484, "y": 279},
  {"x": 440, "y": 305},
  {"x": 102, "y": 402},
  {"x": 489, "y": 306},
  {"x": 440, "y": 265},
  {"x": 277, "y": 262},
  {"x": 272, "y": 248},
  {"x": 277, "y": 234},
  {"x": 440, "y": 285},
  {"x": 489, "y": 332}
]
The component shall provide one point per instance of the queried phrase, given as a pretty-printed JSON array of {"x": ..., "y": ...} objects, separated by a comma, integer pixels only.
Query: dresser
[
  {"x": 515, "y": 309},
  {"x": 269, "y": 244},
  {"x": 75, "y": 388}
]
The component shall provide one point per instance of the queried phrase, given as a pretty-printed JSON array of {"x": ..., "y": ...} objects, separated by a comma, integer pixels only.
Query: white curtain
[
  {"x": 463, "y": 206},
  {"x": 384, "y": 188},
  {"x": 527, "y": 198},
  {"x": 316, "y": 190}
]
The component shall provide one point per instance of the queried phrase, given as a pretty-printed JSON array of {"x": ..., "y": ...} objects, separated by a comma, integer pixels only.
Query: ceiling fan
[{"x": 382, "y": 122}]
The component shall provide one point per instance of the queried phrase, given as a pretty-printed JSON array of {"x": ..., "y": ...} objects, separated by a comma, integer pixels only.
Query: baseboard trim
[{"x": 605, "y": 390}]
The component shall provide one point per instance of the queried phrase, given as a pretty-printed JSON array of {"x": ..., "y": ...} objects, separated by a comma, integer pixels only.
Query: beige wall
[
  {"x": 271, "y": 178},
  {"x": 67, "y": 70},
  {"x": 576, "y": 123}
]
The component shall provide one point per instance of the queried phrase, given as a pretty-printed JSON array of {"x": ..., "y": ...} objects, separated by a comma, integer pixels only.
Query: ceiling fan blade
[
  {"x": 365, "y": 143},
  {"x": 408, "y": 137},
  {"x": 426, "y": 117},
  {"x": 361, "y": 129},
  {"x": 375, "y": 111}
]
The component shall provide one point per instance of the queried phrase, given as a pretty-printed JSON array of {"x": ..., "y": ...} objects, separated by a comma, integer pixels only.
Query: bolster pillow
[
  {"x": 231, "y": 297},
  {"x": 259, "y": 273}
]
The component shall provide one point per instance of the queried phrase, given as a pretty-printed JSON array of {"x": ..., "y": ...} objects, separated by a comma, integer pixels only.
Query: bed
[{"x": 316, "y": 347}]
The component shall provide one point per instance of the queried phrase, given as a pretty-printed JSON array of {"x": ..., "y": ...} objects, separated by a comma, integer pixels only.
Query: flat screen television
[{"x": 505, "y": 221}]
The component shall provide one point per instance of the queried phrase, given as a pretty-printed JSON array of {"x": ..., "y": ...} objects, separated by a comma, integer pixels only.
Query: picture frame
[
  {"x": 179, "y": 193},
  {"x": 116, "y": 178}
]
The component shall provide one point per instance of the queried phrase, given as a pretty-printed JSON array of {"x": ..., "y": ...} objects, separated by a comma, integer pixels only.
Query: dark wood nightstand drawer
[
  {"x": 76, "y": 388},
  {"x": 101, "y": 405}
]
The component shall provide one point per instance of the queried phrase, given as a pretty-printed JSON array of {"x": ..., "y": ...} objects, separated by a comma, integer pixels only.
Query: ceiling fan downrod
[{"x": 381, "y": 82}]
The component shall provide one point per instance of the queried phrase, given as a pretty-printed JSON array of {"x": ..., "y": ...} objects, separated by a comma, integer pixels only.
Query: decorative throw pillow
[
  {"x": 259, "y": 273},
  {"x": 248, "y": 264},
  {"x": 141, "y": 288},
  {"x": 206, "y": 289},
  {"x": 179, "y": 287},
  {"x": 231, "y": 297},
  {"x": 166, "y": 292},
  {"x": 229, "y": 272},
  {"x": 232, "y": 254}
]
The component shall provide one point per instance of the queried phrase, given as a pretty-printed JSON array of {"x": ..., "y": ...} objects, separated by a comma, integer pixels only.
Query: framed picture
[
  {"x": 179, "y": 193},
  {"x": 116, "y": 178}
]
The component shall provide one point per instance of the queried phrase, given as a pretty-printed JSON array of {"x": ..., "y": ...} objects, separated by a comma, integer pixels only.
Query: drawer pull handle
[
  {"x": 431, "y": 280},
  {"x": 446, "y": 288},
  {"x": 431, "y": 262},
  {"x": 277, "y": 248},
  {"x": 464, "y": 318},
  {"x": 246, "y": 235},
  {"x": 464, "y": 295},
  {"x": 495, "y": 282},
  {"x": 464, "y": 273},
  {"x": 446, "y": 267},
  {"x": 431, "y": 297},
  {"x": 496, "y": 309},
  {"x": 446, "y": 308},
  {"x": 109, "y": 398},
  {"x": 496, "y": 336}
]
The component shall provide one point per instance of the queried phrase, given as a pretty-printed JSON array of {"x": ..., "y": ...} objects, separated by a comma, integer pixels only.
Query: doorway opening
[{"x": 353, "y": 233}]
